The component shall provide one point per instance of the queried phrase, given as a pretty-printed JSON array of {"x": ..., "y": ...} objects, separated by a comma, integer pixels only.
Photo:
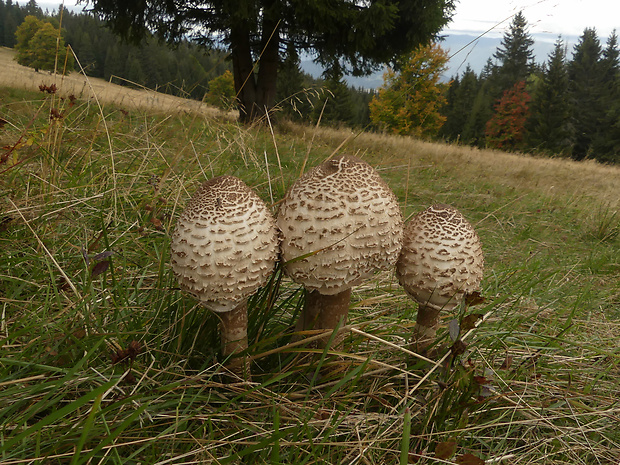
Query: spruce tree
[
  {"x": 461, "y": 97},
  {"x": 335, "y": 105},
  {"x": 586, "y": 91},
  {"x": 515, "y": 55},
  {"x": 606, "y": 145},
  {"x": 549, "y": 126}
]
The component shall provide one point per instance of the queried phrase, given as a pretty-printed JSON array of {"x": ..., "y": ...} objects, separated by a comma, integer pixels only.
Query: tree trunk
[
  {"x": 268, "y": 69},
  {"x": 256, "y": 92},
  {"x": 243, "y": 72}
]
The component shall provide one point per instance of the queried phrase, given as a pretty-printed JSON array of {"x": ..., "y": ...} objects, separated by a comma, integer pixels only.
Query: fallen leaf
[
  {"x": 103, "y": 255},
  {"x": 474, "y": 298},
  {"x": 458, "y": 348},
  {"x": 469, "y": 459},
  {"x": 507, "y": 363},
  {"x": 100, "y": 267},
  {"x": 469, "y": 322},
  {"x": 445, "y": 450}
]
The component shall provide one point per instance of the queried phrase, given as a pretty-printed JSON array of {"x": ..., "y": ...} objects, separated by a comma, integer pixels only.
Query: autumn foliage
[
  {"x": 409, "y": 102},
  {"x": 506, "y": 129}
]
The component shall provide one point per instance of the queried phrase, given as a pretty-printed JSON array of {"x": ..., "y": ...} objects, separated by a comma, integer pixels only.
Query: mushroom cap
[
  {"x": 345, "y": 222},
  {"x": 441, "y": 259},
  {"x": 225, "y": 244}
]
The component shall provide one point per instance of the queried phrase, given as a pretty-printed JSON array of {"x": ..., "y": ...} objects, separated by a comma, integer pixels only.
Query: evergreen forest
[{"x": 567, "y": 106}]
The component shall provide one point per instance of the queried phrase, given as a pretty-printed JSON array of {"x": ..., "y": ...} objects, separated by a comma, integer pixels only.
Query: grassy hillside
[{"x": 89, "y": 192}]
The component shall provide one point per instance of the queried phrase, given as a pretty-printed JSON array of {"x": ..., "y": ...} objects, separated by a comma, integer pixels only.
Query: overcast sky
[{"x": 549, "y": 17}]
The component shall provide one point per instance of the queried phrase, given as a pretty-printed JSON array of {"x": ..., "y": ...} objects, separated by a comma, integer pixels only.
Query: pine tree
[
  {"x": 586, "y": 91},
  {"x": 357, "y": 37},
  {"x": 515, "y": 55},
  {"x": 481, "y": 111},
  {"x": 549, "y": 127}
]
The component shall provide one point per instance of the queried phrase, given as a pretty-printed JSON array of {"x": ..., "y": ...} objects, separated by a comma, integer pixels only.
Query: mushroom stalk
[
  {"x": 425, "y": 329},
  {"x": 234, "y": 337},
  {"x": 326, "y": 312}
]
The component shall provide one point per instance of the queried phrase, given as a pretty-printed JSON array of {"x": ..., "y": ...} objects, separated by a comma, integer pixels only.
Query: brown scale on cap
[
  {"x": 441, "y": 261},
  {"x": 346, "y": 217},
  {"x": 224, "y": 248}
]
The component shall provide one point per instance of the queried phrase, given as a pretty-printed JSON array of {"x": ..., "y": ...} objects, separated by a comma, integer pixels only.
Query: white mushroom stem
[
  {"x": 234, "y": 338},
  {"x": 326, "y": 312}
]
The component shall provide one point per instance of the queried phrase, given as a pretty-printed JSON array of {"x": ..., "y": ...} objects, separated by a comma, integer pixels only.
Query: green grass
[{"x": 538, "y": 382}]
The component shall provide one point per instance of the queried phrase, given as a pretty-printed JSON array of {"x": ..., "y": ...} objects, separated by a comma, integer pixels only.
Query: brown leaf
[
  {"x": 100, "y": 267},
  {"x": 469, "y": 322},
  {"x": 157, "y": 223},
  {"x": 474, "y": 298},
  {"x": 458, "y": 348},
  {"x": 445, "y": 450},
  {"x": 507, "y": 363},
  {"x": 469, "y": 459}
]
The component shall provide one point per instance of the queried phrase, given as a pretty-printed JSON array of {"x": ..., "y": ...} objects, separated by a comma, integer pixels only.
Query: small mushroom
[
  {"x": 224, "y": 248},
  {"x": 340, "y": 223},
  {"x": 440, "y": 262}
]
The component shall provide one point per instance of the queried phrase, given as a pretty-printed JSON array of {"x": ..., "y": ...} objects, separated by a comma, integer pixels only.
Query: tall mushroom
[
  {"x": 441, "y": 261},
  {"x": 340, "y": 223},
  {"x": 224, "y": 248}
]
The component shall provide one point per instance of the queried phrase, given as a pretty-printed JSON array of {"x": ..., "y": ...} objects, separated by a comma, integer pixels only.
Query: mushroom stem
[
  {"x": 425, "y": 329},
  {"x": 326, "y": 312},
  {"x": 234, "y": 337}
]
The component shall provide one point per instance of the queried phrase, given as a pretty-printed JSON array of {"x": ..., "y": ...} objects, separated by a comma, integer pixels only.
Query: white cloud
[{"x": 552, "y": 17}]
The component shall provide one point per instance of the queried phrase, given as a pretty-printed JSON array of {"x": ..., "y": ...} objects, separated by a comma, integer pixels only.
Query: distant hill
[{"x": 464, "y": 49}]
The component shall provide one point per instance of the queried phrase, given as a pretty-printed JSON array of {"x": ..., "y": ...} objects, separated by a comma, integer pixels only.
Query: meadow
[{"x": 104, "y": 360}]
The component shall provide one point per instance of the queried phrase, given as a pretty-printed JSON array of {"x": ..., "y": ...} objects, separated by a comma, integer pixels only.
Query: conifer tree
[
  {"x": 585, "y": 73},
  {"x": 549, "y": 126},
  {"x": 290, "y": 96},
  {"x": 606, "y": 145},
  {"x": 515, "y": 54},
  {"x": 460, "y": 102},
  {"x": 334, "y": 105}
]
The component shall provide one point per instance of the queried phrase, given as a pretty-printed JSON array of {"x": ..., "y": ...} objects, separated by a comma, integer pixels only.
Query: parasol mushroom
[
  {"x": 224, "y": 248},
  {"x": 441, "y": 261},
  {"x": 340, "y": 223}
]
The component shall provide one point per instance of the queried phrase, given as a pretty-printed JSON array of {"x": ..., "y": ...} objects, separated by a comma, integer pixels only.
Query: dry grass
[
  {"x": 15, "y": 75},
  {"x": 544, "y": 175}
]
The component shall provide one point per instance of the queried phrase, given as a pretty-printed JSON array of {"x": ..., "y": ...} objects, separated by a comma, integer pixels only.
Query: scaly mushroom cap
[
  {"x": 225, "y": 244},
  {"x": 347, "y": 217},
  {"x": 441, "y": 259}
]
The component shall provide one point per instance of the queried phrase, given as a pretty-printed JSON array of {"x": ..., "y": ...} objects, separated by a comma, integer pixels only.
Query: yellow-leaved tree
[{"x": 409, "y": 102}]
